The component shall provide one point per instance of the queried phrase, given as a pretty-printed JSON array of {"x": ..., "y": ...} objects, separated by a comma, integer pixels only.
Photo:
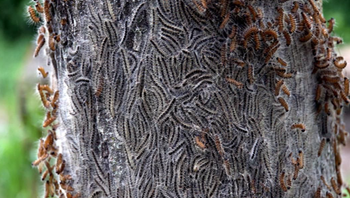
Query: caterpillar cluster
[
  {"x": 56, "y": 181},
  {"x": 332, "y": 91},
  {"x": 48, "y": 149},
  {"x": 259, "y": 36},
  {"x": 140, "y": 76},
  {"x": 299, "y": 22},
  {"x": 36, "y": 14}
]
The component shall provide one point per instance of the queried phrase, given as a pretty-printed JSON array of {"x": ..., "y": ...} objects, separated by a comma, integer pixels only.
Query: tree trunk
[{"x": 190, "y": 98}]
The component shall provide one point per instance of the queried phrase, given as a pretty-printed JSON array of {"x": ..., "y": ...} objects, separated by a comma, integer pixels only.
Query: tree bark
[{"x": 190, "y": 98}]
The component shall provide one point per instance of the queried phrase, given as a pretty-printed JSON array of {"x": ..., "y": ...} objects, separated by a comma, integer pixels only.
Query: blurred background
[{"x": 21, "y": 114}]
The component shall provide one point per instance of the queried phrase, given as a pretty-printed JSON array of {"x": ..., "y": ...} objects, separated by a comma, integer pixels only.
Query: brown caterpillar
[
  {"x": 344, "y": 97},
  {"x": 278, "y": 87},
  {"x": 250, "y": 74},
  {"x": 318, "y": 192},
  {"x": 284, "y": 75},
  {"x": 42, "y": 97},
  {"x": 329, "y": 195},
  {"x": 322, "y": 144},
  {"x": 233, "y": 32},
  {"x": 335, "y": 186},
  {"x": 271, "y": 32},
  {"x": 32, "y": 15},
  {"x": 283, "y": 103},
  {"x": 224, "y": 7},
  {"x": 99, "y": 87},
  {"x": 289, "y": 181},
  {"x": 281, "y": 61},
  {"x": 292, "y": 23},
  {"x": 339, "y": 178},
  {"x": 321, "y": 64},
  {"x": 329, "y": 53},
  {"x": 66, "y": 187},
  {"x": 339, "y": 62},
  {"x": 247, "y": 33},
  {"x": 336, "y": 39},
  {"x": 54, "y": 100},
  {"x": 60, "y": 164},
  {"x": 57, "y": 38},
  {"x": 238, "y": 3},
  {"x": 296, "y": 171},
  {"x": 233, "y": 44},
  {"x": 271, "y": 53},
  {"x": 47, "y": 6},
  {"x": 325, "y": 183},
  {"x": 200, "y": 8},
  {"x": 204, "y": 4},
  {"x": 257, "y": 41},
  {"x": 330, "y": 79},
  {"x": 295, "y": 7},
  {"x": 52, "y": 43},
  {"x": 40, "y": 43},
  {"x": 280, "y": 19},
  {"x": 46, "y": 88},
  {"x": 239, "y": 62},
  {"x": 307, "y": 21},
  {"x": 71, "y": 196},
  {"x": 39, "y": 7},
  {"x": 324, "y": 32},
  {"x": 337, "y": 155},
  {"x": 346, "y": 86},
  {"x": 286, "y": 90},
  {"x": 40, "y": 159},
  {"x": 49, "y": 192},
  {"x": 199, "y": 142},
  {"x": 43, "y": 72},
  {"x": 218, "y": 146},
  {"x": 233, "y": 81},
  {"x": 44, "y": 175},
  {"x": 63, "y": 22},
  {"x": 225, "y": 21},
  {"x": 49, "y": 119},
  {"x": 48, "y": 143},
  {"x": 282, "y": 184},
  {"x": 287, "y": 37},
  {"x": 301, "y": 159},
  {"x": 252, "y": 11},
  {"x": 330, "y": 25},
  {"x": 299, "y": 126},
  {"x": 318, "y": 92},
  {"x": 306, "y": 37},
  {"x": 313, "y": 6}
]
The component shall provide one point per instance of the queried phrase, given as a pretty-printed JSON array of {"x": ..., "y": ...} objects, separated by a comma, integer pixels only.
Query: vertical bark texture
[{"x": 195, "y": 98}]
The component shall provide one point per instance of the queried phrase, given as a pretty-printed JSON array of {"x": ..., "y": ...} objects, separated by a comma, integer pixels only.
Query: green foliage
[
  {"x": 11, "y": 57},
  {"x": 14, "y": 21},
  {"x": 19, "y": 124},
  {"x": 339, "y": 9}
]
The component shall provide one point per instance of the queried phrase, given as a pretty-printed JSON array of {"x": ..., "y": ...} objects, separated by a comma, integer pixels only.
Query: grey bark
[{"x": 155, "y": 101}]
